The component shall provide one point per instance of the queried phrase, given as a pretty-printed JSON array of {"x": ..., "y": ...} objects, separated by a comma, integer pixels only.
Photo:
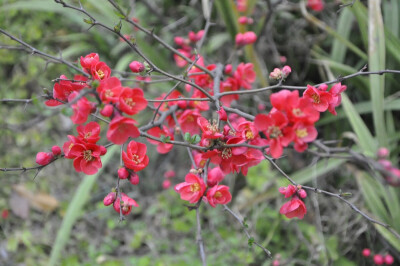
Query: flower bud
[
  {"x": 136, "y": 67},
  {"x": 56, "y": 150},
  {"x": 222, "y": 114},
  {"x": 107, "y": 111},
  {"x": 386, "y": 164},
  {"x": 242, "y": 20},
  {"x": 103, "y": 150},
  {"x": 249, "y": 37},
  {"x": 378, "y": 259},
  {"x": 179, "y": 41},
  {"x": 389, "y": 259},
  {"x": 166, "y": 184},
  {"x": 275, "y": 74},
  {"x": 286, "y": 71},
  {"x": 239, "y": 39},
  {"x": 134, "y": 179},
  {"x": 228, "y": 69},
  {"x": 382, "y": 153},
  {"x": 170, "y": 174},
  {"x": 44, "y": 158},
  {"x": 110, "y": 198},
  {"x": 302, "y": 193},
  {"x": 366, "y": 252},
  {"x": 123, "y": 173}
]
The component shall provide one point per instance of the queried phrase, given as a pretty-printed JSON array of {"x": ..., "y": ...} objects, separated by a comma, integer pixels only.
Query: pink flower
[
  {"x": 166, "y": 184},
  {"x": 121, "y": 128},
  {"x": 108, "y": 110},
  {"x": 126, "y": 205},
  {"x": 249, "y": 37},
  {"x": 44, "y": 158},
  {"x": 218, "y": 195},
  {"x": 134, "y": 179},
  {"x": 286, "y": 70},
  {"x": 294, "y": 208},
  {"x": 135, "y": 157},
  {"x": 136, "y": 67},
  {"x": 210, "y": 131},
  {"x": 192, "y": 189},
  {"x": 82, "y": 109},
  {"x": 245, "y": 74}
]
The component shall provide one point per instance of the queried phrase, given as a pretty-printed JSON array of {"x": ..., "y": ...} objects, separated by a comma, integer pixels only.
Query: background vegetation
[{"x": 59, "y": 215}]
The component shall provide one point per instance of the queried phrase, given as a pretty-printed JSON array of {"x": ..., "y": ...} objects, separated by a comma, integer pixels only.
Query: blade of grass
[
  {"x": 376, "y": 62},
  {"x": 366, "y": 141},
  {"x": 345, "y": 22},
  {"x": 75, "y": 207}
]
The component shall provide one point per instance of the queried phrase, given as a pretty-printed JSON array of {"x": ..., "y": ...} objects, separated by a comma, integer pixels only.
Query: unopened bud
[
  {"x": 136, "y": 67},
  {"x": 134, "y": 179},
  {"x": 56, "y": 150},
  {"x": 123, "y": 173},
  {"x": 110, "y": 198}
]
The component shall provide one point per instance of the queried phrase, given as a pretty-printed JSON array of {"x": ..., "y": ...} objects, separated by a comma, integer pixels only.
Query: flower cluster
[
  {"x": 295, "y": 207},
  {"x": 121, "y": 204},
  {"x": 378, "y": 258},
  {"x": 194, "y": 189},
  {"x": 292, "y": 118},
  {"x": 393, "y": 178}
]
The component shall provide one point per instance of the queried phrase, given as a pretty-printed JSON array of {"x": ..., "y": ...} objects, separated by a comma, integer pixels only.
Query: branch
[{"x": 34, "y": 51}]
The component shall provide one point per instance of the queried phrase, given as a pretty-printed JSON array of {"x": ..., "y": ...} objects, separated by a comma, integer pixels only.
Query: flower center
[
  {"x": 274, "y": 132},
  {"x": 213, "y": 127},
  {"x": 195, "y": 187},
  {"x": 226, "y": 153},
  {"x": 87, "y": 135},
  {"x": 87, "y": 155},
  {"x": 249, "y": 134},
  {"x": 109, "y": 93},
  {"x": 217, "y": 195},
  {"x": 135, "y": 158},
  {"x": 297, "y": 112},
  {"x": 130, "y": 102},
  {"x": 301, "y": 133},
  {"x": 316, "y": 98},
  {"x": 100, "y": 73}
]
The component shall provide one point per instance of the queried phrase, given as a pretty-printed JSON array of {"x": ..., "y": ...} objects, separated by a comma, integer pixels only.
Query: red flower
[
  {"x": 188, "y": 121},
  {"x": 192, "y": 189},
  {"x": 319, "y": 98},
  {"x": 210, "y": 131},
  {"x": 214, "y": 176},
  {"x": 88, "y": 61},
  {"x": 132, "y": 101},
  {"x": 135, "y": 157},
  {"x": 89, "y": 133},
  {"x": 109, "y": 90},
  {"x": 86, "y": 157},
  {"x": 378, "y": 259},
  {"x": 230, "y": 84},
  {"x": 158, "y": 132},
  {"x": 303, "y": 134},
  {"x": 274, "y": 126},
  {"x": 82, "y": 109},
  {"x": 110, "y": 198},
  {"x": 335, "y": 91},
  {"x": 121, "y": 128},
  {"x": 288, "y": 191},
  {"x": 294, "y": 208},
  {"x": 100, "y": 71},
  {"x": 366, "y": 252},
  {"x": 245, "y": 75},
  {"x": 126, "y": 205},
  {"x": 218, "y": 195},
  {"x": 62, "y": 90}
]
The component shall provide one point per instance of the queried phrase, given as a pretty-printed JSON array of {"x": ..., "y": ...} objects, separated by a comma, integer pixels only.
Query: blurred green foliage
[{"x": 163, "y": 231}]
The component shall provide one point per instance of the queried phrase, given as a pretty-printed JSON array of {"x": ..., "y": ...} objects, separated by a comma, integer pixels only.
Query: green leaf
[
  {"x": 338, "y": 51},
  {"x": 165, "y": 139},
  {"x": 75, "y": 207},
  {"x": 88, "y": 21},
  {"x": 195, "y": 139},
  {"x": 187, "y": 137},
  {"x": 117, "y": 28}
]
